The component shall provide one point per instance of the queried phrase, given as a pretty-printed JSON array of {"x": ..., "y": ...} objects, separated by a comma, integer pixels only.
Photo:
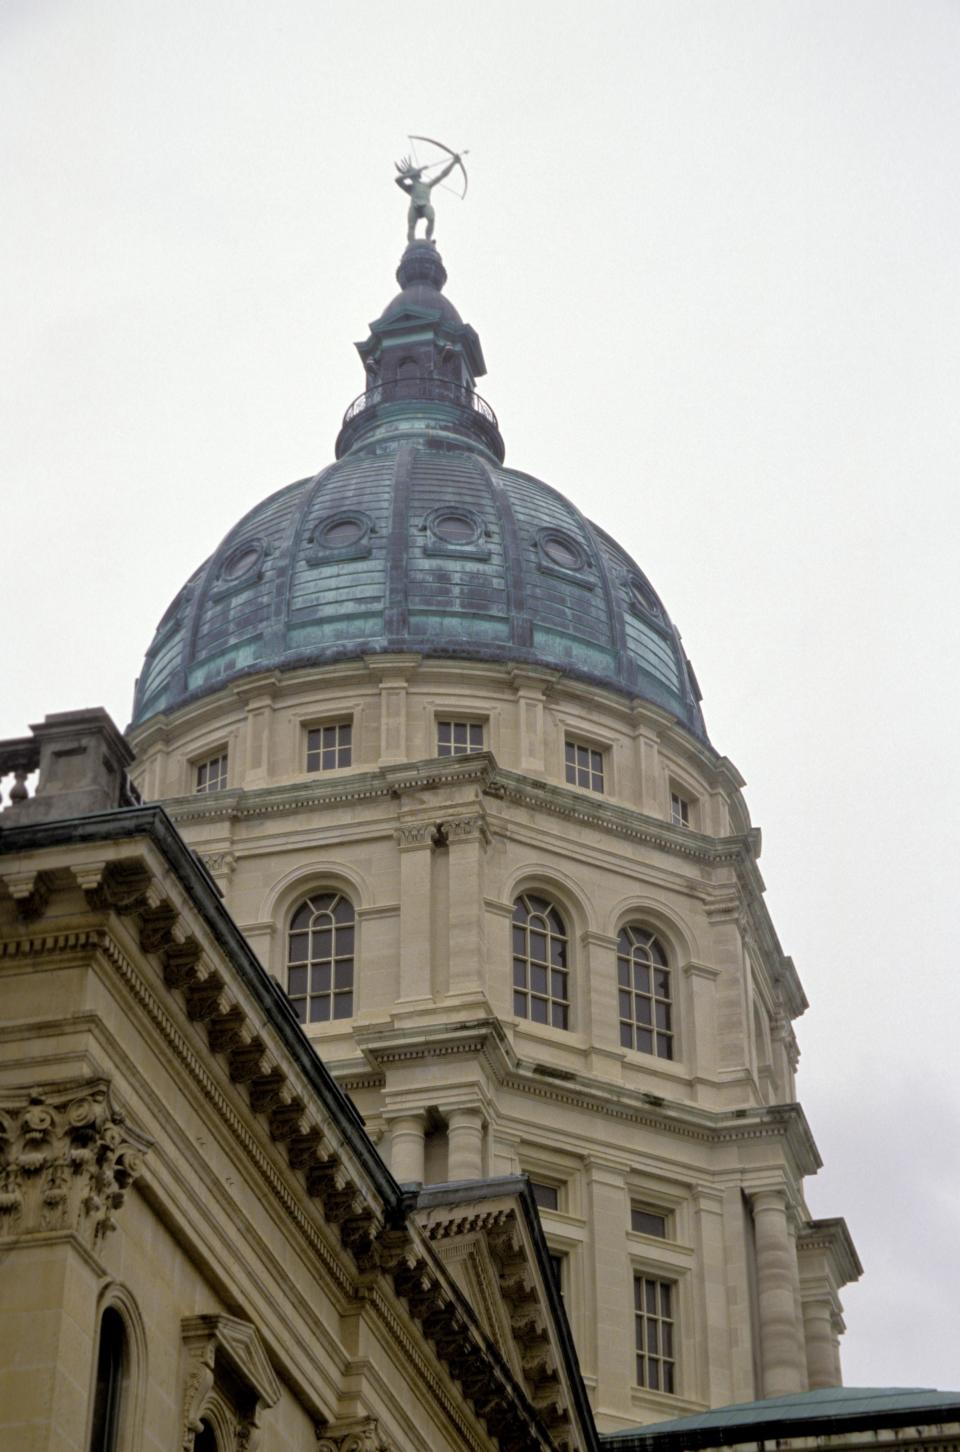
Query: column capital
[{"x": 69, "y": 1159}]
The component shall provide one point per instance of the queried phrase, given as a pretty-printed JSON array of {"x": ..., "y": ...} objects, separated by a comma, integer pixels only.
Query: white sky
[{"x": 711, "y": 251}]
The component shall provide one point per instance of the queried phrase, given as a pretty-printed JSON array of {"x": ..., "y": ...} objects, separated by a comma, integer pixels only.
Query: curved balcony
[{"x": 481, "y": 421}]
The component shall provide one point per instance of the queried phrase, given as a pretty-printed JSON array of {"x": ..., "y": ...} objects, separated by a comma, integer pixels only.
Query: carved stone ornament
[
  {"x": 361, "y": 1434},
  {"x": 67, "y": 1159},
  {"x": 228, "y": 1381}
]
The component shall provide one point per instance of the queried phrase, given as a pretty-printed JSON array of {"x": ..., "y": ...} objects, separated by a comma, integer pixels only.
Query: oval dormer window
[
  {"x": 562, "y": 549},
  {"x": 641, "y": 595},
  {"x": 344, "y": 535},
  {"x": 455, "y": 527},
  {"x": 339, "y": 534},
  {"x": 241, "y": 562}
]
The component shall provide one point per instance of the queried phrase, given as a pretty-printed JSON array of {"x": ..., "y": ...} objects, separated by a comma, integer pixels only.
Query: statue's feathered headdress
[{"x": 406, "y": 167}]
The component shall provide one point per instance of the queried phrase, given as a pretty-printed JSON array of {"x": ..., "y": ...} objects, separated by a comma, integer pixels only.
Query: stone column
[
  {"x": 698, "y": 1028},
  {"x": 821, "y": 1343},
  {"x": 609, "y": 1304},
  {"x": 465, "y": 1144},
  {"x": 776, "y": 1275},
  {"x": 415, "y": 842},
  {"x": 467, "y": 838},
  {"x": 407, "y": 1136},
  {"x": 257, "y": 769},
  {"x": 711, "y": 1293},
  {"x": 601, "y": 1019}
]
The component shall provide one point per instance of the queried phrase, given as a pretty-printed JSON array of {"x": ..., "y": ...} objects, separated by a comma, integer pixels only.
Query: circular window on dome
[
  {"x": 642, "y": 597},
  {"x": 341, "y": 532},
  {"x": 341, "y": 536},
  {"x": 455, "y": 530},
  {"x": 560, "y": 549},
  {"x": 455, "y": 527},
  {"x": 241, "y": 562}
]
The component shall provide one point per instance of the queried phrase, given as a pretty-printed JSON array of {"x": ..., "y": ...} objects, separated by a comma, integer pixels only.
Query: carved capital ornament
[{"x": 67, "y": 1159}]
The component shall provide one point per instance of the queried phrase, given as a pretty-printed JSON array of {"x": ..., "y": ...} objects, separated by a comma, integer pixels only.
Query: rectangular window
[
  {"x": 329, "y": 747},
  {"x": 647, "y": 1222},
  {"x": 655, "y": 1333},
  {"x": 584, "y": 766},
  {"x": 459, "y": 738},
  {"x": 556, "y": 1266},
  {"x": 679, "y": 810},
  {"x": 212, "y": 774},
  {"x": 546, "y": 1196}
]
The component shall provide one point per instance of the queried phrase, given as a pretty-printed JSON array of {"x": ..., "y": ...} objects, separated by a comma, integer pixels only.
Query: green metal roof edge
[{"x": 843, "y": 1409}]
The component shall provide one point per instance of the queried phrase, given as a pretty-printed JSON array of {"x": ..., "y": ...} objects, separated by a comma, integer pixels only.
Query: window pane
[
  {"x": 538, "y": 1010},
  {"x": 519, "y": 973},
  {"x": 343, "y": 1005},
  {"x": 520, "y": 1005},
  {"x": 558, "y": 1015},
  {"x": 538, "y": 978},
  {"x": 320, "y": 979},
  {"x": 297, "y": 981},
  {"x": 343, "y": 974},
  {"x": 644, "y": 1041},
  {"x": 546, "y": 1196},
  {"x": 319, "y": 1009},
  {"x": 343, "y": 912},
  {"x": 298, "y": 947},
  {"x": 647, "y": 1223},
  {"x": 626, "y": 1036}
]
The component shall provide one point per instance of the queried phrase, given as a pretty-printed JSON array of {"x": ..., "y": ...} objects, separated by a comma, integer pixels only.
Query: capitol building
[{"x": 402, "y": 1052}]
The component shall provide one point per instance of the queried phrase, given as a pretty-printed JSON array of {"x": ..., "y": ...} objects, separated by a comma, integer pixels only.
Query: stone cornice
[
  {"x": 486, "y": 1038},
  {"x": 833, "y": 1238}
]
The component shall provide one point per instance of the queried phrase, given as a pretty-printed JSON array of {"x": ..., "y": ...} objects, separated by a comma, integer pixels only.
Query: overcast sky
[{"x": 711, "y": 251}]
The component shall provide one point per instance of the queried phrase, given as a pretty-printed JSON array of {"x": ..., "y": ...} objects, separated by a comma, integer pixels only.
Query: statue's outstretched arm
[{"x": 446, "y": 171}]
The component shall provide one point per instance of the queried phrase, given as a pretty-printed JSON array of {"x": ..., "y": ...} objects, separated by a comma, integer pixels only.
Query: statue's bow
[{"x": 430, "y": 142}]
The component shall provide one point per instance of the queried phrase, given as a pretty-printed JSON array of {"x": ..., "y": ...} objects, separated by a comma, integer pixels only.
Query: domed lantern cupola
[{"x": 422, "y": 362}]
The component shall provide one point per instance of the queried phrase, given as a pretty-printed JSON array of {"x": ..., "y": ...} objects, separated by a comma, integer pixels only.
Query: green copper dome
[{"x": 418, "y": 539}]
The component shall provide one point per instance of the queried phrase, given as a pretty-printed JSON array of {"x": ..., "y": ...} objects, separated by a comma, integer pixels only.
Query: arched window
[
  {"x": 108, "y": 1392},
  {"x": 320, "y": 947},
  {"x": 646, "y": 1017},
  {"x": 540, "y": 977}
]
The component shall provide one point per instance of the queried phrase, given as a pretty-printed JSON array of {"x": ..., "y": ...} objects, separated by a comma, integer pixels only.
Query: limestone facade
[
  {"x": 182, "y": 1186},
  {"x": 433, "y": 852}
]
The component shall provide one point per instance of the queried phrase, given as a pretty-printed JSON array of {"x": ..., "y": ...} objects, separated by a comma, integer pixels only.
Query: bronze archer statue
[{"x": 411, "y": 180}]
